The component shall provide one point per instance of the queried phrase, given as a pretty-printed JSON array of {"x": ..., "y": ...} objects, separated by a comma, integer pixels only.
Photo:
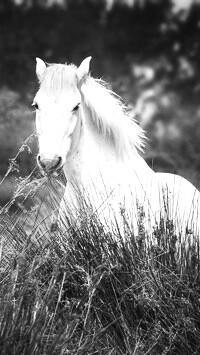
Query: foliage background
[{"x": 148, "y": 50}]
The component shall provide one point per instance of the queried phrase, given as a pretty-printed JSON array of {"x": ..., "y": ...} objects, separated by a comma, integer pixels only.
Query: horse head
[{"x": 58, "y": 112}]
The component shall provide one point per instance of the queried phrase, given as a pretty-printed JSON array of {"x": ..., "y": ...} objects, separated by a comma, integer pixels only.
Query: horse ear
[
  {"x": 83, "y": 69},
  {"x": 40, "y": 68}
]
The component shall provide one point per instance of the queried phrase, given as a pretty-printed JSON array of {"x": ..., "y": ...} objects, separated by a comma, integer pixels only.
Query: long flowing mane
[{"x": 108, "y": 115}]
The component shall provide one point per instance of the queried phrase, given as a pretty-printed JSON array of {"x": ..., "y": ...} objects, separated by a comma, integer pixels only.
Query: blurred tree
[
  {"x": 178, "y": 7},
  {"x": 42, "y": 3}
]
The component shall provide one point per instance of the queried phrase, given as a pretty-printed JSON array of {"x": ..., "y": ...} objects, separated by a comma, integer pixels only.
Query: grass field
[{"x": 81, "y": 290}]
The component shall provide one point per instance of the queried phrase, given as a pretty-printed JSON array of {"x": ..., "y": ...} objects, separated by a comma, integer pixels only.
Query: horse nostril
[{"x": 49, "y": 164}]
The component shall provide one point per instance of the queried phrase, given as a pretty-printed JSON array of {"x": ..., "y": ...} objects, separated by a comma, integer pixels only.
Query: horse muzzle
[{"x": 49, "y": 165}]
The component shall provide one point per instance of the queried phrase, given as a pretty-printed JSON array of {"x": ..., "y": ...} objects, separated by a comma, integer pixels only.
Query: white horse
[{"x": 84, "y": 128}]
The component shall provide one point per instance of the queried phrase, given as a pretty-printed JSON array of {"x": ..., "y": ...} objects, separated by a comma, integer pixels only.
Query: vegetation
[{"x": 77, "y": 289}]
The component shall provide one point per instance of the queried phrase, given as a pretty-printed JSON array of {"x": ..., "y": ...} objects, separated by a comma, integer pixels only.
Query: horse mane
[
  {"x": 111, "y": 118},
  {"x": 58, "y": 79},
  {"x": 107, "y": 114}
]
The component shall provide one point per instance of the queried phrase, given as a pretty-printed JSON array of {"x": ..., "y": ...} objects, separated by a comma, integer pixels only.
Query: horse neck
[
  {"x": 73, "y": 164},
  {"x": 89, "y": 151},
  {"x": 93, "y": 157}
]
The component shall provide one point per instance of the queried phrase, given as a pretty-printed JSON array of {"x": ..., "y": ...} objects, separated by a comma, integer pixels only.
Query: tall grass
[{"x": 81, "y": 290}]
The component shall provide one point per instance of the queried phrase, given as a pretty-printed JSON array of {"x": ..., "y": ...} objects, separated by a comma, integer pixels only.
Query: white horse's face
[
  {"x": 58, "y": 118},
  {"x": 57, "y": 126}
]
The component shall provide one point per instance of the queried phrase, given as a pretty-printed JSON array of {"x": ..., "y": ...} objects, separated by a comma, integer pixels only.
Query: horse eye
[
  {"x": 35, "y": 105},
  {"x": 76, "y": 108}
]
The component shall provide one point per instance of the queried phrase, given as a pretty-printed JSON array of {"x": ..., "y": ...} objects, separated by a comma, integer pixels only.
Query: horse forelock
[{"x": 58, "y": 79}]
